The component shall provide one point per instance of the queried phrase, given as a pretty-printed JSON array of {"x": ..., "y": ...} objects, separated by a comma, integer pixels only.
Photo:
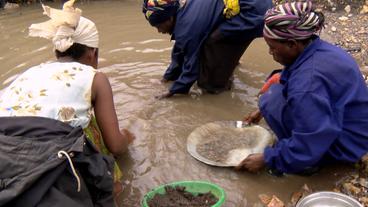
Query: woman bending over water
[{"x": 70, "y": 93}]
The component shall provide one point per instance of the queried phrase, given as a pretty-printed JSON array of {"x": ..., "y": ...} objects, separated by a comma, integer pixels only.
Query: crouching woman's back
[{"x": 68, "y": 93}]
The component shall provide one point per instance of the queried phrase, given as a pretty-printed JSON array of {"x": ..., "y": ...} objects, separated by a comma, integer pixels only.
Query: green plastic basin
[{"x": 194, "y": 187}]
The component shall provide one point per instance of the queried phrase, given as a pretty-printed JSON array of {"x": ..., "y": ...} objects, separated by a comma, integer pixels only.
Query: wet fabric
[
  {"x": 219, "y": 59},
  {"x": 32, "y": 173},
  {"x": 193, "y": 27},
  {"x": 66, "y": 27},
  {"x": 318, "y": 111},
  {"x": 292, "y": 20},
  {"x": 94, "y": 135},
  {"x": 159, "y": 11}
]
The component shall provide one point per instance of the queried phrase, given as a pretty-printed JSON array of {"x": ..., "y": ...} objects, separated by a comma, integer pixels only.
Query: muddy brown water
[{"x": 134, "y": 56}]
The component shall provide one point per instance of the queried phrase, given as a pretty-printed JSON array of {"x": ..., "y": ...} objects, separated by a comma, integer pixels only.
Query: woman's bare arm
[{"x": 115, "y": 140}]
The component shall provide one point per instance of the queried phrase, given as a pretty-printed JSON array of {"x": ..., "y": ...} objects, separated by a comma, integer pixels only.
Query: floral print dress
[{"x": 56, "y": 90}]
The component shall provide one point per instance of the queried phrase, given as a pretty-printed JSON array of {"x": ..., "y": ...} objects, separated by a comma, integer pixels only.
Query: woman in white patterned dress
[{"x": 70, "y": 89}]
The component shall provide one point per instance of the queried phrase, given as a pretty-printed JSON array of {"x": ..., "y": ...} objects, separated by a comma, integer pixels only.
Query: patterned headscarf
[
  {"x": 296, "y": 20},
  {"x": 158, "y": 11},
  {"x": 66, "y": 27}
]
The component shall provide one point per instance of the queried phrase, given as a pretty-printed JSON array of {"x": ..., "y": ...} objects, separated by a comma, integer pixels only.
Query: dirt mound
[
  {"x": 178, "y": 197},
  {"x": 346, "y": 25}
]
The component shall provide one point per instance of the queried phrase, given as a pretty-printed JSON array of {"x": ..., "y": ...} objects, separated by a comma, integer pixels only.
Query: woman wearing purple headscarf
[{"x": 318, "y": 110}]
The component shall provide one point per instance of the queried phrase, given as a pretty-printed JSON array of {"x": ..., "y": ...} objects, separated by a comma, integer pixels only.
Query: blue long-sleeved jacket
[
  {"x": 195, "y": 21},
  {"x": 318, "y": 112}
]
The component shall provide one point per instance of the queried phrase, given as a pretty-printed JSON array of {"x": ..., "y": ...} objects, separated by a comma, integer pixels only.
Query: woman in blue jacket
[
  {"x": 210, "y": 38},
  {"x": 318, "y": 110}
]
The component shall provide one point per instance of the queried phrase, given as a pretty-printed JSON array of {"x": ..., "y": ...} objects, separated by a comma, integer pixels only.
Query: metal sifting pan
[{"x": 227, "y": 143}]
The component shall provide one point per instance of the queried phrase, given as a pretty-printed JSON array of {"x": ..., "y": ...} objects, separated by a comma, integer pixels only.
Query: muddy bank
[
  {"x": 346, "y": 25},
  {"x": 354, "y": 184}
]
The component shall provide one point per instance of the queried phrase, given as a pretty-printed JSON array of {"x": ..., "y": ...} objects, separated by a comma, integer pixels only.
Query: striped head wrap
[
  {"x": 158, "y": 11},
  {"x": 292, "y": 20}
]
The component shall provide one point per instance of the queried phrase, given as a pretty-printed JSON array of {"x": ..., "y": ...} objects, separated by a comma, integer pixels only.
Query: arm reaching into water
[
  {"x": 115, "y": 140},
  {"x": 164, "y": 95},
  {"x": 256, "y": 116}
]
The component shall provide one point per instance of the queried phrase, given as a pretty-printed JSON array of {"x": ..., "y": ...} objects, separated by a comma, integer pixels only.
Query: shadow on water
[{"x": 134, "y": 56}]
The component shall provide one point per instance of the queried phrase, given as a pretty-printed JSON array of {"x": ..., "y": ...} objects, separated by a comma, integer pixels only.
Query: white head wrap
[{"x": 66, "y": 27}]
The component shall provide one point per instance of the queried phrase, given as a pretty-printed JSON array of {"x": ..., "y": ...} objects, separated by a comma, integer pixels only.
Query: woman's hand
[
  {"x": 128, "y": 135},
  {"x": 253, "y": 163},
  {"x": 253, "y": 117},
  {"x": 125, "y": 139},
  {"x": 164, "y": 95},
  {"x": 163, "y": 81}
]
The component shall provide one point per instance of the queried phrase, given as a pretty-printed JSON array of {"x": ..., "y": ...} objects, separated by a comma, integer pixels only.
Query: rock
[
  {"x": 350, "y": 188},
  {"x": 306, "y": 190},
  {"x": 275, "y": 202},
  {"x": 331, "y": 3},
  {"x": 333, "y": 9},
  {"x": 343, "y": 18},
  {"x": 364, "y": 201},
  {"x": 333, "y": 29},
  {"x": 364, "y": 9},
  {"x": 365, "y": 157},
  {"x": 347, "y": 9},
  {"x": 363, "y": 182},
  {"x": 295, "y": 197},
  {"x": 365, "y": 70},
  {"x": 265, "y": 199},
  {"x": 11, "y": 6}
]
